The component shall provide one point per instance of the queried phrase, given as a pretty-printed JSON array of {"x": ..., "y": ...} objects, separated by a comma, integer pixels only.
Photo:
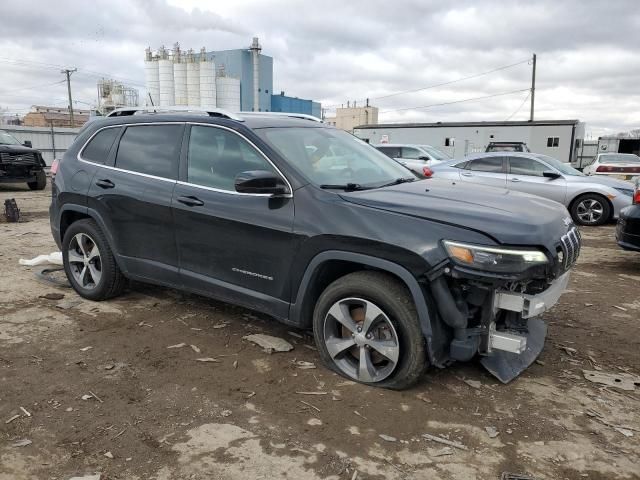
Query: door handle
[
  {"x": 105, "y": 183},
  {"x": 466, "y": 174},
  {"x": 190, "y": 201},
  {"x": 516, "y": 180}
]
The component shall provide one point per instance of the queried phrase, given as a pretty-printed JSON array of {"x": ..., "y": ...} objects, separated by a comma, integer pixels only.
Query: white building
[{"x": 561, "y": 139}]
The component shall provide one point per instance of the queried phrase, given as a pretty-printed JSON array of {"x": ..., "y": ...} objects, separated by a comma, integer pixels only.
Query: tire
[
  {"x": 398, "y": 323},
  {"x": 40, "y": 182},
  {"x": 591, "y": 210},
  {"x": 102, "y": 279}
]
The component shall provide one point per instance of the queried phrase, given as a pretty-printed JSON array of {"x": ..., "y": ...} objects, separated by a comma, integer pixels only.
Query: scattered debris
[
  {"x": 85, "y": 349},
  {"x": 250, "y": 395},
  {"x": 15, "y": 417},
  {"x": 472, "y": 383},
  {"x": 194, "y": 348},
  {"x": 221, "y": 325},
  {"x": 588, "y": 304},
  {"x": 208, "y": 360},
  {"x": 177, "y": 345},
  {"x": 69, "y": 303},
  {"x": 109, "y": 455},
  {"x": 623, "y": 381},
  {"x": 144, "y": 324},
  {"x": 110, "y": 366},
  {"x": 268, "y": 343},
  {"x": 444, "y": 441},
  {"x": 360, "y": 415},
  {"x": 309, "y": 405},
  {"x": 311, "y": 393},
  {"x": 120, "y": 433},
  {"x": 294, "y": 334},
  {"x": 21, "y": 443},
  {"x": 86, "y": 397},
  {"x": 492, "y": 432},
  {"x": 95, "y": 396},
  {"x": 443, "y": 451},
  {"x": 619, "y": 308},
  {"x": 515, "y": 476},
  {"x": 624, "y": 431},
  {"x": 26, "y": 413},
  {"x": 54, "y": 258},
  {"x": 302, "y": 365},
  {"x": 11, "y": 210},
  {"x": 52, "y": 296},
  {"x": 69, "y": 409},
  {"x": 355, "y": 475},
  {"x": 388, "y": 438},
  {"x": 568, "y": 350},
  {"x": 314, "y": 421},
  {"x": 226, "y": 413},
  {"x": 87, "y": 477},
  {"x": 540, "y": 362},
  {"x": 235, "y": 364}
]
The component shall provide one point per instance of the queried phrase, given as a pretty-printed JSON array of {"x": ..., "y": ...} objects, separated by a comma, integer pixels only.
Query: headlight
[
  {"x": 625, "y": 191},
  {"x": 494, "y": 259}
]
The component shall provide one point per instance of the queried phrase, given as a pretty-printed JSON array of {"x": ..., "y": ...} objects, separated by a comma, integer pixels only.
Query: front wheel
[
  {"x": 366, "y": 328},
  {"x": 590, "y": 209},
  {"x": 40, "y": 182}
]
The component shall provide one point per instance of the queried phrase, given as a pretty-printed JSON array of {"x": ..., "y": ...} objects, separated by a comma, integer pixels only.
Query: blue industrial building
[{"x": 239, "y": 64}]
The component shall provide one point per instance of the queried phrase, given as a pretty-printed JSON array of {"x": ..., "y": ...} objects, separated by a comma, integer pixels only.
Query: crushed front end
[{"x": 489, "y": 300}]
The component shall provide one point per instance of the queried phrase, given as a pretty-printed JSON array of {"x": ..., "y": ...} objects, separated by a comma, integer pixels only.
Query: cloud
[{"x": 334, "y": 51}]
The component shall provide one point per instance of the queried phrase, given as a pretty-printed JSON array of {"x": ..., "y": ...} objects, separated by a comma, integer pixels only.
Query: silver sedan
[{"x": 590, "y": 200}]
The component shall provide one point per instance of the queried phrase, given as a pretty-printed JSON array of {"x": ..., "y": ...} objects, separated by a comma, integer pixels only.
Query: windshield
[
  {"x": 435, "y": 153},
  {"x": 6, "y": 139},
  {"x": 562, "y": 167},
  {"x": 619, "y": 158},
  {"x": 333, "y": 157}
]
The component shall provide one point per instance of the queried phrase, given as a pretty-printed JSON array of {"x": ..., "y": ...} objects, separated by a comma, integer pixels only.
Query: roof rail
[
  {"x": 212, "y": 112},
  {"x": 286, "y": 114}
]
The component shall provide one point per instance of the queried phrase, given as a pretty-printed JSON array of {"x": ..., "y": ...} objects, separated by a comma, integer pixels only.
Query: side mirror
[
  {"x": 424, "y": 158},
  {"x": 262, "y": 182},
  {"x": 551, "y": 175},
  {"x": 27, "y": 143}
]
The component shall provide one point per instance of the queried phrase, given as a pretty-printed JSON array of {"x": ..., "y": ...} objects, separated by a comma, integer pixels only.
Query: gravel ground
[{"x": 105, "y": 394}]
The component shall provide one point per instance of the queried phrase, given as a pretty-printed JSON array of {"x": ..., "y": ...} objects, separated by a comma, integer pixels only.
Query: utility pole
[
  {"x": 68, "y": 72},
  {"x": 533, "y": 88}
]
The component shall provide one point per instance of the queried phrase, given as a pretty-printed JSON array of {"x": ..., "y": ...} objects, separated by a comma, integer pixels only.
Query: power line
[
  {"x": 456, "y": 101},
  {"x": 521, "y": 105},
  {"x": 4, "y": 94},
  {"x": 469, "y": 77}
]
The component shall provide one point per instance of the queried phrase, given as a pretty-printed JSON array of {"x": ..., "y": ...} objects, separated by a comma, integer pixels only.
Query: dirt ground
[{"x": 155, "y": 412}]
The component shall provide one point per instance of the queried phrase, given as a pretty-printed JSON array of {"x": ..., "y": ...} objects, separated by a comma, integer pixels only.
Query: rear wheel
[
  {"x": 89, "y": 262},
  {"x": 366, "y": 328},
  {"x": 590, "y": 209},
  {"x": 40, "y": 182}
]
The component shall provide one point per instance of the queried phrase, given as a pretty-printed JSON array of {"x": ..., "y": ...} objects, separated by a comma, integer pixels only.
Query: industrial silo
[
  {"x": 151, "y": 78},
  {"x": 193, "y": 80},
  {"x": 207, "y": 81},
  {"x": 165, "y": 71},
  {"x": 228, "y": 93},
  {"x": 179, "y": 76}
]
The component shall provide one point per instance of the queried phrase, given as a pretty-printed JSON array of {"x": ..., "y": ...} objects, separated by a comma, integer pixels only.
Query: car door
[
  {"x": 490, "y": 171},
  {"x": 132, "y": 195},
  {"x": 234, "y": 246},
  {"x": 526, "y": 175}
]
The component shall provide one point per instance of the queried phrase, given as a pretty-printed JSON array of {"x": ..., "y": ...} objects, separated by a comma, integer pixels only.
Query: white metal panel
[
  {"x": 41, "y": 139},
  {"x": 167, "y": 89},
  {"x": 228, "y": 93},
  {"x": 208, "y": 87},
  {"x": 180, "y": 82},
  {"x": 152, "y": 82},
  {"x": 193, "y": 84}
]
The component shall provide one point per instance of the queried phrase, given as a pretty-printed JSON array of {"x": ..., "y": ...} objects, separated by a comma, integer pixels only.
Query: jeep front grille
[
  {"x": 570, "y": 245},
  {"x": 18, "y": 159}
]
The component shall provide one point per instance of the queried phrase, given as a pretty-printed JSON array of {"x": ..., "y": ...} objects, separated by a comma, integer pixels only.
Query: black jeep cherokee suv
[
  {"x": 21, "y": 163},
  {"x": 319, "y": 230}
]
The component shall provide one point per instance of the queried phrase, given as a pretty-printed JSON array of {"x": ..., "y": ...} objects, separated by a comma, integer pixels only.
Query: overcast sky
[{"x": 334, "y": 51}]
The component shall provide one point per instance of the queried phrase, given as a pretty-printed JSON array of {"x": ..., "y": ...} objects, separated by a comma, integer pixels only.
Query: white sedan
[{"x": 626, "y": 164}]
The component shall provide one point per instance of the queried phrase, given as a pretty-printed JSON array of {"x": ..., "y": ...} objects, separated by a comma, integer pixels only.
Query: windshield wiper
[
  {"x": 398, "y": 181},
  {"x": 347, "y": 187}
]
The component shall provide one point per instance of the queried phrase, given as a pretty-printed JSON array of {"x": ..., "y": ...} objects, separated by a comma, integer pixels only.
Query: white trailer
[{"x": 561, "y": 139}]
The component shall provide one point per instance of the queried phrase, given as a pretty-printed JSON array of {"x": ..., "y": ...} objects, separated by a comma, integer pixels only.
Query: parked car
[
  {"x": 414, "y": 157},
  {"x": 591, "y": 201},
  {"x": 628, "y": 228},
  {"x": 507, "y": 147},
  {"x": 391, "y": 273},
  {"x": 619, "y": 164},
  {"x": 19, "y": 163}
]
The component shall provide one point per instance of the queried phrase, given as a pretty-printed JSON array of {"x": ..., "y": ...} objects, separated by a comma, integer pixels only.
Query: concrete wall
[
  {"x": 51, "y": 142},
  {"x": 472, "y": 139}
]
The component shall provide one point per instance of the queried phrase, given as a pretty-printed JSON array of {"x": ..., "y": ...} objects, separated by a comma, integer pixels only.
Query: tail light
[
  {"x": 636, "y": 195},
  {"x": 54, "y": 167},
  {"x": 427, "y": 172}
]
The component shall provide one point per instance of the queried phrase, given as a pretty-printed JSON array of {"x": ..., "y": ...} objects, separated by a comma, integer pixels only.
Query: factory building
[
  {"x": 235, "y": 80},
  {"x": 350, "y": 117}
]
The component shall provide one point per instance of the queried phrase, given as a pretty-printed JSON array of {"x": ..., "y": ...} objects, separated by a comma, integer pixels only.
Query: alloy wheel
[
  {"x": 84, "y": 261},
  {"x": 361, "y": 340},
  {"x": 590, "y": 211}
]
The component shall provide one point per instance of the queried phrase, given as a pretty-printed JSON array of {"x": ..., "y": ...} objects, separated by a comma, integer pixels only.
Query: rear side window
[
  {"x": 491, "y": 164},
  {"x": 217, "y": 156},
  {"x": 97, "y": 150},
  {"x": 151, "y": 149},
  {"x": 392, "y": 152},
  {"x": 526, "y": 166},
  {"x": 412, "y": 153}
]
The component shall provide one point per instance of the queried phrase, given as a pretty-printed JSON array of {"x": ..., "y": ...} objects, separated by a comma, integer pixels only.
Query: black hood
[
  {"x": 17, "y": 149},
  {"x": 509, "y": 217}
]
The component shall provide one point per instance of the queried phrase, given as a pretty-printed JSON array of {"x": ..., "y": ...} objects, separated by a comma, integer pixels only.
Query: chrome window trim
[{"x": 230, "y": 192}]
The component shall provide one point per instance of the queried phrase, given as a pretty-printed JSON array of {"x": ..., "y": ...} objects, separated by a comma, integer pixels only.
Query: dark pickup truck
[
  {"x": 391, "y": 273},
  {"x": 21, "y": 163}
]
